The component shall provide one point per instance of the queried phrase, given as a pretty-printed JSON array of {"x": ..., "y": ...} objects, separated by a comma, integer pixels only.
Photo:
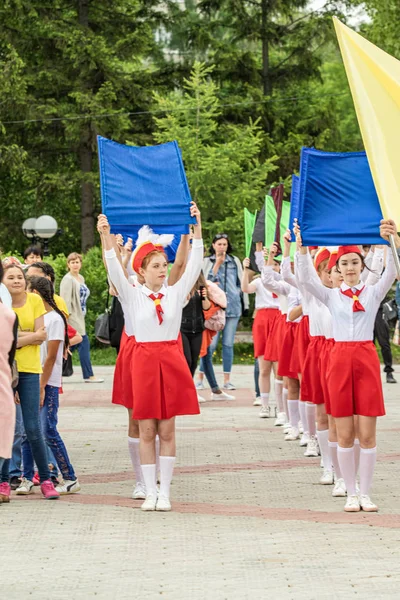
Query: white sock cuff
[
  {"x": 332, "y": 444},
  {"x": 167, "y": 458},
  {"x": 340, "y": 449},
  {"x": 368, "y": 450},
  {"x": 279, "y": 381},
  {"x": 132, "y": 440},
  {"x": 357, "y": 441},
  {"x": 264, "y": 395},
  {"x": 293, "y": 400}
]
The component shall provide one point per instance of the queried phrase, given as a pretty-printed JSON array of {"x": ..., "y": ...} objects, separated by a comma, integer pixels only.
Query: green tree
[
  {"x": 80, "y": 57},
  {"x": 222, "y": 161}
]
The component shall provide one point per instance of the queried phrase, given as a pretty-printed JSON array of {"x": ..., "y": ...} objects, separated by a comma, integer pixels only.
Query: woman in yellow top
[{"x": 30, "y": 311}]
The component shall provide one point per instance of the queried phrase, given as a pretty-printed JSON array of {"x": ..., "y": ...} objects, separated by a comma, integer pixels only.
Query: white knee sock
[
  {"x": 303, "y": 417},
  {"x": 167, "y": 464},
  {"x": 285, "y": 402},
  {"x": 310, "y": 414},
  {"x": 264, "y": 400},
  {"x": 335, "y": 463},
  {"x": 294, "y": 413},
  {"x": 347, "y": 468},
  {"x": 149, "y": 476},
  {"x": 367, "y": 465},
  {"x": 322, "y": 437},
  {"x": 278, "y": 395},
  {"x": 157, "y": 455},
  {"x": 357, "y": 454},
  {"x": 133, "y": 445}
]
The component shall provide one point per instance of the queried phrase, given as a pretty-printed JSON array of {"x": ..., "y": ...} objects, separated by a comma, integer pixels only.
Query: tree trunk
[
  {"x": 265, "y": 49},
  {"x": 87, "y": 201},
  {"x": 86, "y": 161}
]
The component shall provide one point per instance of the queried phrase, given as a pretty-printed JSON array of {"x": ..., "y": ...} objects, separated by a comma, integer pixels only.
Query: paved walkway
[{"x": 249, "y": 519}]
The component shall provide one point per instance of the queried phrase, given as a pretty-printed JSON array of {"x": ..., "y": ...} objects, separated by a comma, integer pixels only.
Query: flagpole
[{"x": 395, "y": 255}]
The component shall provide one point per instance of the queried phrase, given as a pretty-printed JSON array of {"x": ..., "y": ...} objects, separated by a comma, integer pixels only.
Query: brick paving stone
[{"x": 250, "y": 520}]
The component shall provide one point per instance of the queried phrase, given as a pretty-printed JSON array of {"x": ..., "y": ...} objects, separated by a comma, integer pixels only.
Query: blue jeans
[
  {"x": 49, "y": 419},
  {"x": 29, "y": 393},
  {"x": 84, "y": 357},
  {"x": 19, "y": 433},
  {"x": 228, "y": 339}
]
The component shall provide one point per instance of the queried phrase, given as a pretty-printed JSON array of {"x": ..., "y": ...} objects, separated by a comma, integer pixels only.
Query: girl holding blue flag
[
  {"x": 162, "y": 386},
  {"x": 353, "y": 374}
]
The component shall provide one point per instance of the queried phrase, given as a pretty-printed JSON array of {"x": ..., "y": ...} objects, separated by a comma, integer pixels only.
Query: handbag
[
  {"x": 217, "y": 321},
  {"x": 68, "y": 369},
  {"x": 102, "y": 325},
  {"x": 389, "y": 310}
]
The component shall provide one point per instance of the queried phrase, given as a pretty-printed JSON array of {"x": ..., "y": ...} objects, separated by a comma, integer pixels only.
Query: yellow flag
[{"x": 374, "y": 78}]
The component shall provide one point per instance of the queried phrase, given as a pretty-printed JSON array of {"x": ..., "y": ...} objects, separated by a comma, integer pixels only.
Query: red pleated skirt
[
  {"x": 162, "y": 385},
  {"x": 286, "y": 350},
  {"x": 263, "y": 326},
  {"x": 324, "y": 359},
  {"x": 275, "y": 340},
  {"x": 354, "y": 380},
  {"x": 312, "y": 375},
  {"x": 122, "y": 384},
  {"x": 301, "y": 342}
]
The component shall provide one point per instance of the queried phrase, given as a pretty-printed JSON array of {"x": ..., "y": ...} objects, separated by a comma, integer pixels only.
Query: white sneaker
[
  {"x": 264, "y": 412},
  {"x": 150, "y": 502},
  {"x": 229, "y": 386},
  {"x": 68, "y": 486},
  {"x": 257, "y": 401},
  {"x": 312, "y": 447},
  {"x": 339, "y": 491},
  {"x": 94, "y": 380},
  {"x": 352, "y": 504},
  {"x": 301, "y": 428},
  {"x": 305, "y": 438},
  {"x": 200, "y": 399},
  {"x": 321, "y": 462},
  {"x": 326, "y": 478},
  {"x": 367, "y": 505},
  {"x": 139, "y": 492},
  {"x": 292, "y": 435},
  {"x": 221, "y": 396},
  {"x": 280, "y": 420},
  {"x": 163, "y": 503},
  {"x": 286, "y": 428},
  {"x": 25, "y": 487},
  {"x": 200, "y": 385}
]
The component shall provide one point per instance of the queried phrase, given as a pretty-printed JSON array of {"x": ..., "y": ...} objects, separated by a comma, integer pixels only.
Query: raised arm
[
  {"x": 387, "y": 228},
  {"x": 307, "y": 275},
  {"x": 374, "y": 275},
  {"x": 246, "y": 285},
  {"x": 115, "y": 269},
  {"x": 276, "y": 286},
  {"x": 194, "y": 264},
  {"x": 181, "y": 258}
]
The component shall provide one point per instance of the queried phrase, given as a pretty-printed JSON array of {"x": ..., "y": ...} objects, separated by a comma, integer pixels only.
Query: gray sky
[{"x": 355, "y": 17}]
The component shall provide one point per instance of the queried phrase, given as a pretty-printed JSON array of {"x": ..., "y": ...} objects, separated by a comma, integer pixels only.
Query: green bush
[{"x": 95, "y": 277}]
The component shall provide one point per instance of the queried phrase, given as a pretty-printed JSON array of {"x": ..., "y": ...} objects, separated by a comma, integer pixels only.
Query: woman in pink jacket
[{"x": 7, "y": 406}]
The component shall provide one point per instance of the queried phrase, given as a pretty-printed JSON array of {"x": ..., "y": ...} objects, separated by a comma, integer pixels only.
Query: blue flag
[
  {"x": 338, "y": 204},
  {"x": 294, "y": 204},
  {"x": 143, "y": 185}
]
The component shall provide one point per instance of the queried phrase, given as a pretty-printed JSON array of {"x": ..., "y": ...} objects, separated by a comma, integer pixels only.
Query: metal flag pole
[{"x": 395, "y": 255}]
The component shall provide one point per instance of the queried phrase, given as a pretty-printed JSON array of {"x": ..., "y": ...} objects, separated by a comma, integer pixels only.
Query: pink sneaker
[
  {"x": 36, "y": 479},
  {"x": 49, "y": 491},
  {"x": 5, "y": 491}
]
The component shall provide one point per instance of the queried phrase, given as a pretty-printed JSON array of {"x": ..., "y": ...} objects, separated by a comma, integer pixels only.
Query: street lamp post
[{"x": 42, "y": 229}]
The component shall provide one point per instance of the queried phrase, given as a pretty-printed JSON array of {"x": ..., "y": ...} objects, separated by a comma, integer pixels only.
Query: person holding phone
[{"x": 225, "y": 269}]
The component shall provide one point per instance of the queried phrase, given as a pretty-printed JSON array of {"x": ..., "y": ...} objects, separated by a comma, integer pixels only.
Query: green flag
[
  {"x": 249, "y": 223},
  {"x": 284, "y": 225}
]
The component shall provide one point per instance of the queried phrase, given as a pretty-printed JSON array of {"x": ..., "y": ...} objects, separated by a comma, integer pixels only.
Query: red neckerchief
[
  {"x": 274, "y": 295},
  {"x": 357, "y": 306},
  {"x": 157, "y": 303}
]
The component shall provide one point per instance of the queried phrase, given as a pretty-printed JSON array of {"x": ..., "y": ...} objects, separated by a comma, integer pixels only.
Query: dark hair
[
  {"x": 46, "y": 268},
  {"x": 33, "y": 250},
  {"x": 1, "y": 271},
  {"x": 362, "y": 262},
  {"x": 44, "y": 287},
  {"x": 221, "y": 236}
]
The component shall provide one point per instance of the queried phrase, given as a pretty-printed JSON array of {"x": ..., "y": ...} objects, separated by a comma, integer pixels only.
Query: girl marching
[
  {"x": 353, "y": 374},
  {"x": 162, "y": 386}
]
